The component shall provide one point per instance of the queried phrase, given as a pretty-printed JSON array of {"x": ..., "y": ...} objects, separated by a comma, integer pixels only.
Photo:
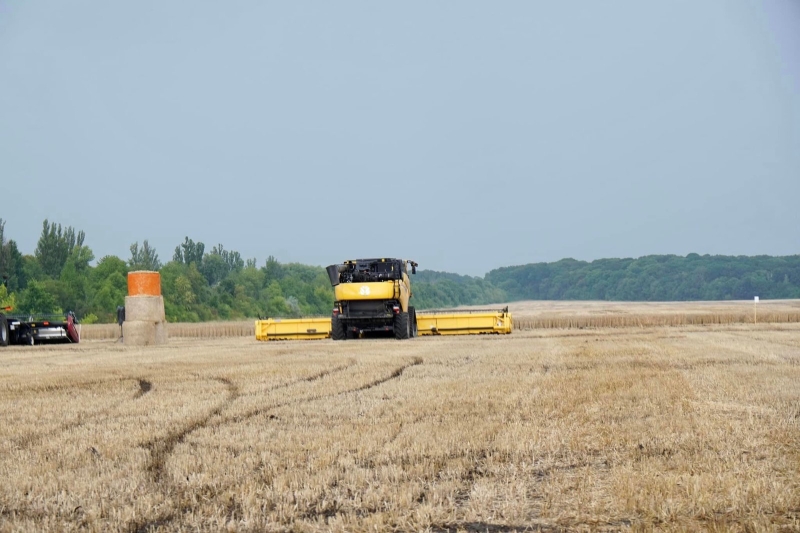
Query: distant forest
[
  {"x": 653, "y": 278},
  {"x": 219, "y": 284}
]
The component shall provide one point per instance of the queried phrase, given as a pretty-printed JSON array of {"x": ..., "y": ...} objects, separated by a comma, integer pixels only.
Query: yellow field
[{"x": 666, "y": 428}]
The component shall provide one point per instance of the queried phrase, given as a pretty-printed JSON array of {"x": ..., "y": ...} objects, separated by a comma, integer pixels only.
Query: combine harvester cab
[{"x": 464, "y": 322}]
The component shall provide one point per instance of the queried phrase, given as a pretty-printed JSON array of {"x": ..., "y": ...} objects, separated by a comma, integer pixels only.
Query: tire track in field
[
  {"x": 160, "y": 448},
  {"x": 396, "y": 373},
  {"x": 315, "y": 377},
  {"x": 789, "y": 344},
  {"x": 325, "y": 508},
  {"x": 468, "y": 478},
  {"x": 306, "y": 379},
  {"x": 31, "y": 439},
  {"x": 150, "y": 524},
  {"x": 488, "y": 527},
  {"x": 57, "y": 387}
]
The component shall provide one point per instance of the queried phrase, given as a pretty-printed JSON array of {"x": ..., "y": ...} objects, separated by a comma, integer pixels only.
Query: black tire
[
  {"x": 337, "y": 329},
  {"x": 3, "y": 331},
  {"x": 412, "y": 316},
  {"x": 401, "y": 326}
]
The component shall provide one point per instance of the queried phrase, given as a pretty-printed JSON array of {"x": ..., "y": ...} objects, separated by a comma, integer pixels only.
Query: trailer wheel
[
  {"x": 3, "y": 331},
  {"x": 412, "y": 317},
  {"x": 337, "y": 329},
  {"x": 401, "y": 326}
]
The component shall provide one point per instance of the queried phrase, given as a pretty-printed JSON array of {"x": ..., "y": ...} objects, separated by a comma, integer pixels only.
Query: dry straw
[
  {"x": 662, "y": 429},
  {"x": 141, "y": 333},
  {"x": 145, "y": 308}
]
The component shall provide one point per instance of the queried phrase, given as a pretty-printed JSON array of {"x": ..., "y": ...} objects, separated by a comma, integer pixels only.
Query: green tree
[
  {"x": 189, "y": 252},
  {"x": 108, "y": 287},
  {"x": 12, "y": 273},
  {"x": 54, "y": 246},
  {"x": 8, "y": 301},
  {"x": 144, "y": 258},
  {"x": 37, "y": 298},
  {"x": 74, "y": 286},
  {"x": 655, "y": 277},
  {"x": 272, "y": 269},
  {"x": 275, "y": 303},
  {"x": 214, "y": 268},
  {"x": 186, "y": 293}
]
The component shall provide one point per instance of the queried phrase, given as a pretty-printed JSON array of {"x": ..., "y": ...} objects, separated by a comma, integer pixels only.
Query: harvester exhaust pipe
[{"x": 333, "y": 273}]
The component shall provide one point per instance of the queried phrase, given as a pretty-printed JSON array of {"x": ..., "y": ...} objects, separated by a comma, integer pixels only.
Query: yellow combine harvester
[{"x": 373, "y": 295}]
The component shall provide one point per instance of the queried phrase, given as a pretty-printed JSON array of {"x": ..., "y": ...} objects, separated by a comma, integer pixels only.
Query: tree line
[
  {"x": 219, "y": 284},
  {"x": 653, "y": 278},
  {"x": 197, "y": 284}
]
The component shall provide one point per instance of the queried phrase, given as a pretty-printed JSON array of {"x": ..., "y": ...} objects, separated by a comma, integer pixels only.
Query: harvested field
[{"x": 666, "y": 428}]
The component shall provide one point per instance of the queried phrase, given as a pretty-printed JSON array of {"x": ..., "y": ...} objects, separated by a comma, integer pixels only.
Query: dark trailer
[{"x": 15, "y": 329}]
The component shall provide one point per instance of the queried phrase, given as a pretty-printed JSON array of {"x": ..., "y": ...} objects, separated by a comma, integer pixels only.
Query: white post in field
[{"x": 755, "y": 310}]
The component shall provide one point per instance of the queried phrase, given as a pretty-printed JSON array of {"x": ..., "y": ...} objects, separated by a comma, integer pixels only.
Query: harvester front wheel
[
  {"x": 337, "y": 329},
  {"x": 401, "y": 326},
  {"x": 412, "y": 317},
  {"x": 3, "y": 332}
]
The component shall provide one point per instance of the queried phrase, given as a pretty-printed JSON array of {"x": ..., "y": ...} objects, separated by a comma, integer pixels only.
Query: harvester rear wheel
[
  {"x": 3, "y": 332},
  {"x": 412, "y": 317},
  {"x": 401, "y": 326},
  {"x": 337, "y": 329}
]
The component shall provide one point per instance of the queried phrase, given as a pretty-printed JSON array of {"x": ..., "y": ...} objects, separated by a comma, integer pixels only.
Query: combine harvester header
[
  {"x": 277, "y": 329},
  {"x": 437, "y": 322},
  {"x": 464, "y": 322}
]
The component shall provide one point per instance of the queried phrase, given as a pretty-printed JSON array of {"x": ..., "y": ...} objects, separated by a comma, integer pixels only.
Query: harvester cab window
[{"x": 382, "y": 268}]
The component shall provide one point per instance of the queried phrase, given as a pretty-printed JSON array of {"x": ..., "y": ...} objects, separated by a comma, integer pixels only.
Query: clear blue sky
[{"x": 464, "y": 135}]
